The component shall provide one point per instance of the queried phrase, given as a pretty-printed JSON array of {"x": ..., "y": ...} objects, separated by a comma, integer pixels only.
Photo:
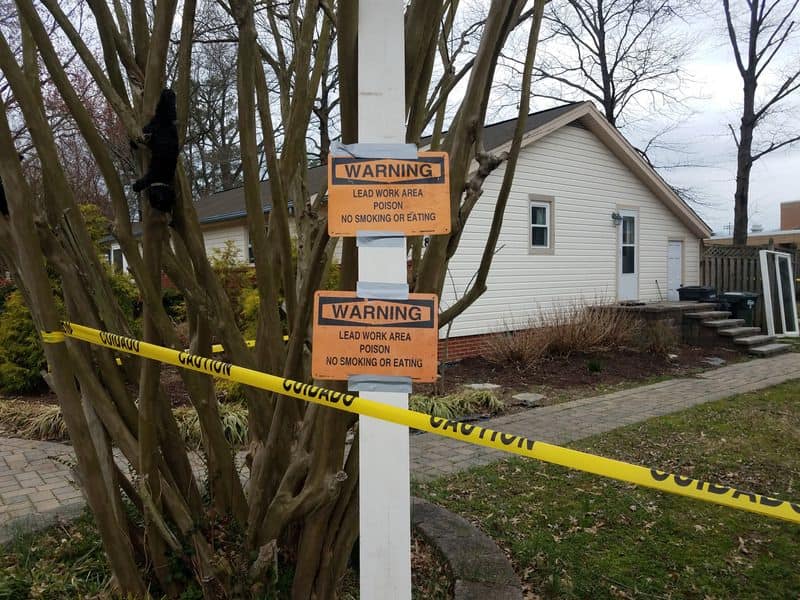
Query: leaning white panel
[{"x": 789, "y": 322}]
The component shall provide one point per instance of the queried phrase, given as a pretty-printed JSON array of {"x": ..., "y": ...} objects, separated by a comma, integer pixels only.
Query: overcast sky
[
  {"x": 702, "y": 138},
  {"x": 707, "y": 140}
]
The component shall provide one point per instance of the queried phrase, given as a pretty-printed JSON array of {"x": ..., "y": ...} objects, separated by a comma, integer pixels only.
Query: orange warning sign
[
  {"x": 359, "y": 336},
  {"x": 389, "y": 194}
]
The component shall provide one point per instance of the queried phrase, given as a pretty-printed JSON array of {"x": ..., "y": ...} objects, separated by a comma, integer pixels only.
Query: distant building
[
  {"x": 790, "y": 215},
  {"x": 786, "y": 238}
]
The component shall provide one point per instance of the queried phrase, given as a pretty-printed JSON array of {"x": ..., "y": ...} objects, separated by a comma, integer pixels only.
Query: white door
[
  {"x": 628, "y": 275},
  {"x": 674, "y": 269}
]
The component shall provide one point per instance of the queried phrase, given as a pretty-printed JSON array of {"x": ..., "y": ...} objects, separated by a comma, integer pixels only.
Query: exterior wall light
[{"x": 617, "y": 218}]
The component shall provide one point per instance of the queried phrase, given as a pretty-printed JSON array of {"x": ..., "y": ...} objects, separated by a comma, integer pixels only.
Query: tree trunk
[{"x": 744, "y": 163}]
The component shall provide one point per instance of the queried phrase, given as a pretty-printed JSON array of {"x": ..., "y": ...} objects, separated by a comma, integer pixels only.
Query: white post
[{"x": 385, "y": 519}]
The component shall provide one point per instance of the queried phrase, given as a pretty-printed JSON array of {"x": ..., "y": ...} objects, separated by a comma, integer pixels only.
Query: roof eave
[
  {"x": 622, "y": 149},
  {"x": 631, "y": 157}
]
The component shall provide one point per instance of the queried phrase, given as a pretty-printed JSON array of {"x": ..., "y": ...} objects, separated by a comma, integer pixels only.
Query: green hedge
[{"x": 21, "y": 354}]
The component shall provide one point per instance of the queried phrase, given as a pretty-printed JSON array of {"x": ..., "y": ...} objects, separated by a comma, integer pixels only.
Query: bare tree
[
  {"x": 212, "y": 137},
  {"x": 623, "y": 54},
  {"x": 300, "y": 504},
  {"x": 761, "y": 34}
]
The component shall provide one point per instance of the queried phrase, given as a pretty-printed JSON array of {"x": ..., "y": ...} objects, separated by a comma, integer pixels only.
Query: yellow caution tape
[
  {"x": 465, "y": 432},
  {"x": 217, "y": 348},
  {"x": 53, "y": 337}
]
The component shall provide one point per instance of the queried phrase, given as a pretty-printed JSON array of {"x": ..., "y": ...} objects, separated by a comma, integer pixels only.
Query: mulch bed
[
  {"x": 578, "y": 375},
  {"x": 558, "y": 378},
  {"x": 430, "y": 575}
]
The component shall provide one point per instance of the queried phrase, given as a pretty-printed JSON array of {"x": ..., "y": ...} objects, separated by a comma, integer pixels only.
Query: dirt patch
[
  {"x": 430, "y": 576},
  {"x": 173, "y": 384},
  {"x": 45, "y": 398},
  {"x": 170, "y": 380},
  {"x": 561, "y": 379}
]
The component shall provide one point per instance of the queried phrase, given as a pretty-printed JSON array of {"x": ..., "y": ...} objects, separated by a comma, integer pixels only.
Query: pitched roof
[{"x": 230, "y": 204}]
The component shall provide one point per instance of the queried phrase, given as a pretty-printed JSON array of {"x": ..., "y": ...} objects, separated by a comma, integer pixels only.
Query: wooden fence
[{"x": 737, "y": 269}]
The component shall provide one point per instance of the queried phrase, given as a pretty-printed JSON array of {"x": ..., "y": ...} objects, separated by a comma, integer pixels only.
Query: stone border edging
[
  {"x": 34, "y": 523},
  {"x": 480, "y": 568}
]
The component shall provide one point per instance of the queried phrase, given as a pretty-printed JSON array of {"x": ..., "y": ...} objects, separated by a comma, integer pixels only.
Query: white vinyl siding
[
  {"x": 216, "y": 238},
  {"x": 589, "y": 184}
]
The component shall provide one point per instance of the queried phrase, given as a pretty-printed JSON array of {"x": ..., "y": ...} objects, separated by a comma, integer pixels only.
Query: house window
[
  {"x": 251, "y": 255},
  {"x": 541, "y": 225},
  {"x": 628, "y": 245},
  {"x": 116, "y": 259}
]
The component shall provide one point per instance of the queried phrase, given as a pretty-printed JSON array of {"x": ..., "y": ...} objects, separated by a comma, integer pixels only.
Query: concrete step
[
  {"x": 769, "y": 349},
  {"x": 724, "y": 323},
  {"x": 754, "y": 340},
  {"x": 740, "y": 331},
  {"x": 708, "y": 315}
]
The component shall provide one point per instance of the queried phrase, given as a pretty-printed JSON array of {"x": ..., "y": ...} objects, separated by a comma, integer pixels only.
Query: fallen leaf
[{"x": 742, "y": 547}]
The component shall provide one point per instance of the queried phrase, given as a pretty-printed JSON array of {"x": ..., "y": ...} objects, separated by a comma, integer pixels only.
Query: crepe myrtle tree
[{"x": 299, "y": 508}]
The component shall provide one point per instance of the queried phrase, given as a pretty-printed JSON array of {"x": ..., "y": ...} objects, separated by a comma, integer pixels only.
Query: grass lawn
[
  {"x": 68, "y": 562},
  {"x": 65, "y": 561},
  {"x": 572, "y": 535}
]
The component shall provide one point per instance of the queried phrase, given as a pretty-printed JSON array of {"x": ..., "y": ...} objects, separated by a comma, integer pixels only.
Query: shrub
[
  {"x": 331, "y": 282},
  {"x": 21, "y": 354},
  {"x": 45, "y": 422},
  {"x": 235, "y": 275},
  {"x": 229, "y": 391},
  {"x": 6, "y": 287},
  {"x": 519, "y": 348},
  {"x": 577, "y": 327},
  {"x": 455, "y": 405},
  {"x": 174, "y": 304},
  {"x": 234, "y": 424},
  {"x": 97, "y": 224},
  {"x": 563, "y": 330},
  {"x": 33, "y": 421},
  {"x": 437, "y": 406},
  {"x": 249, "y": 313},
  {"x": 126, "y": 294}
]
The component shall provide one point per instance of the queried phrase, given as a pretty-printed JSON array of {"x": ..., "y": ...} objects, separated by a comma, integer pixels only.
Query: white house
[
  {"x": 222, "y": 218},
  {"x": 587, "y": 218}
]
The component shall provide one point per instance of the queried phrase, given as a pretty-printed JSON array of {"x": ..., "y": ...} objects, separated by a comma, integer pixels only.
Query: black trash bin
[
  {"x": 699, "y": 293},
  {"x": 742, "y": 305}
]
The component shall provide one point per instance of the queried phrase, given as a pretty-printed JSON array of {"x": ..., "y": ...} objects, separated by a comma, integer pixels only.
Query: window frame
[
  {"x": 548, "y": 203},
  {"x": 118, "y": 265},
  {"x": 634, "y": 244}
]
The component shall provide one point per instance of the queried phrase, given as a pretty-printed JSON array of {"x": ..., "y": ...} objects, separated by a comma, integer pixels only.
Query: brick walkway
[
  {"x": 36, "y": 485},
  {"x": 433, "y": 456},
  {"x": 36, "y": 490}
]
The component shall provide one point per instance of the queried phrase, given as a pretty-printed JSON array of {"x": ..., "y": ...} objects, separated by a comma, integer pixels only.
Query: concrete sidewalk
[{"x": 36, "y": 486}]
